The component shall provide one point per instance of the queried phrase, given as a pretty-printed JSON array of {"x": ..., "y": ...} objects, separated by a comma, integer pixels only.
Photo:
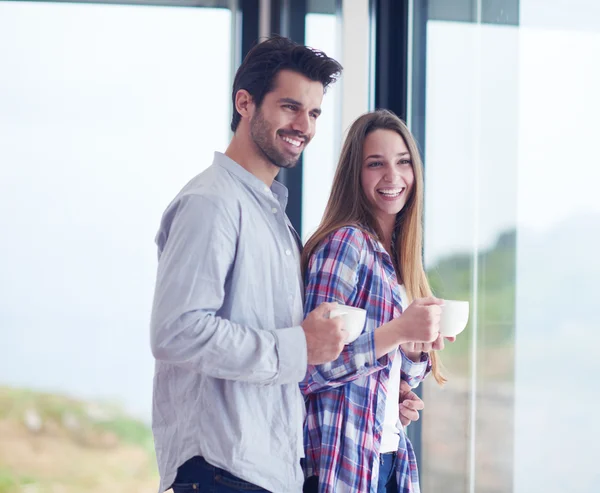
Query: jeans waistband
[{"x": 386, "y": 455}]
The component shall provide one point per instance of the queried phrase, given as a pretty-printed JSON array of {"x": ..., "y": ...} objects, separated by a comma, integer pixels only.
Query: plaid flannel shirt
[{"x": 346, "y": 398}]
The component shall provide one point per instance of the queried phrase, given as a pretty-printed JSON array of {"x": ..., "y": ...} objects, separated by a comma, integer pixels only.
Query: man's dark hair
[{"x": 263, "y": 62}]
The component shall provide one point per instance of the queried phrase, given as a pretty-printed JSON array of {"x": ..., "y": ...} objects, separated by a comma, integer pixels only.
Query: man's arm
[{"x": 198, "y": 251}]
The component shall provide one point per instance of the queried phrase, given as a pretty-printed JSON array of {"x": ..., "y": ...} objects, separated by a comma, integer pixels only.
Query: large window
[
  {"x": 513, "y": 225},
  {"x": 105, "y": 112},
  {"x": 320, "y": 157}
]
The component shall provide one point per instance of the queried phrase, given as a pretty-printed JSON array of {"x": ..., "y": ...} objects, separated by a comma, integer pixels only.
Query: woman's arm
[{"x": 333, "y": 275}]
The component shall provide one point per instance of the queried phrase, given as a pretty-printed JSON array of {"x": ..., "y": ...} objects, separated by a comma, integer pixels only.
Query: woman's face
[{"x": 387, "y": 175}]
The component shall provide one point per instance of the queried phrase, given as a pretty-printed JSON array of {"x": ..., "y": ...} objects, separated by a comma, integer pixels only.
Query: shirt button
[
  {"x": 288, "y": 252},
  {"x": 267, "y": 189},
  {"x": 274, "y": 210}
]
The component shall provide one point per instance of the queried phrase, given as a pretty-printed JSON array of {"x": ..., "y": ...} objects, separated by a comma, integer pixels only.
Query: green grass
[
  {"x": 55, "y": 408},
  {"x": 130, "y": 431},
  {"x": 9, "y": 482},
  {"x": 452, "y": 278}
]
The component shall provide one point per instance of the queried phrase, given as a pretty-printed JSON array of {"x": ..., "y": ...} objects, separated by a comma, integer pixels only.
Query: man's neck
[{"x": 245, "y": 153}]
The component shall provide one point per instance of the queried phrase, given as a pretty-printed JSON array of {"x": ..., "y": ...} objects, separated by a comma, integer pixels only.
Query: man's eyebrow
[
  {"x": 289, "y": 101},
  {"x": 297, "y": 103},
  {"x": 379, "y": 156}
]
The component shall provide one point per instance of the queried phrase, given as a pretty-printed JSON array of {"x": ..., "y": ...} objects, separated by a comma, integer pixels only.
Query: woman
[{"x": 367, "y": 253}]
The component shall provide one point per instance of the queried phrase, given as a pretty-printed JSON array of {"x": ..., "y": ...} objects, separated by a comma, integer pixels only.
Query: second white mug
[{"x": 455, "y": 315}]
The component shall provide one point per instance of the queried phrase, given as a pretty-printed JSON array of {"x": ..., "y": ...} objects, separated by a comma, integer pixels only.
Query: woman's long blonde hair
[{"x": 348, "y": 206}]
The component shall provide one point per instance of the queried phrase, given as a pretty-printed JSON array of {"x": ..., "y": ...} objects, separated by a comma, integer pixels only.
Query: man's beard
[{"x": 261, "y": 133}]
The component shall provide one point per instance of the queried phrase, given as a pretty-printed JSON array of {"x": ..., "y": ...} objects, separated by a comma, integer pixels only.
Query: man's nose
[{"x": 302, "y": 123}]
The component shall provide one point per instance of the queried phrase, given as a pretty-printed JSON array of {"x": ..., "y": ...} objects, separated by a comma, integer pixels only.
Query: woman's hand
[
  {"x": 420, "y": 322},
  {"x": 413, "y": 350},
  {"x": 409, "y": 404}
]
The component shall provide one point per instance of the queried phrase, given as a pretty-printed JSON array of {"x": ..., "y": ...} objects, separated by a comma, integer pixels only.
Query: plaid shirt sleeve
[
  {"x": 332, "y": 275},
  {"x": 415, "y": 372}
]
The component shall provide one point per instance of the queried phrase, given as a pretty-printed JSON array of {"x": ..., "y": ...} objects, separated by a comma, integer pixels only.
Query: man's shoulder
[
  {"x": 213, "y": 183},
  {"x": 212, "y": 188},
  {"x": 199, "y": 204}
]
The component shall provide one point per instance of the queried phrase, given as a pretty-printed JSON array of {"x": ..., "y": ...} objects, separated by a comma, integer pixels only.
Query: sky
[{"x": 106, "y": 113}]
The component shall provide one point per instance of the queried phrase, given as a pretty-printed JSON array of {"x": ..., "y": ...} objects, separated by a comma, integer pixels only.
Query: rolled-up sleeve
[
  {"x": 415, "y": 372},
  {"x": 332, "y": 275},
  {"x": 197, "y": 248}
]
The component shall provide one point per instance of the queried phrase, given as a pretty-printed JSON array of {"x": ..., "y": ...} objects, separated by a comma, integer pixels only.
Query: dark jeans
[
  {"x": 198, "y": 476},
  {"x": 387, "y": 474}
]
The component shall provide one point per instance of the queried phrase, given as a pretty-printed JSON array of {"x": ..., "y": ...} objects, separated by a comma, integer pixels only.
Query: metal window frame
[
  {"x": 288, "y": 18},
  {"x": 397, "y": 24},
  {"x": 152, "y": 3},
  {"x": 401, "y": 73}
]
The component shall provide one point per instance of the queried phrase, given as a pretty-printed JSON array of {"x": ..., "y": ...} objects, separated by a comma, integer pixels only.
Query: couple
[{"x": 234, "y": 407}]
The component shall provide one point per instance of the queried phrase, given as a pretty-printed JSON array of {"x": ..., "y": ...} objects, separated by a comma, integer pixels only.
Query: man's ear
[{"x": 244, "y": 104}]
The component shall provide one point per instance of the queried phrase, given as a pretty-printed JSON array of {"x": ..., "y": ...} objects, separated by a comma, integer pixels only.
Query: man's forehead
[{"x": 290, "y": 84}]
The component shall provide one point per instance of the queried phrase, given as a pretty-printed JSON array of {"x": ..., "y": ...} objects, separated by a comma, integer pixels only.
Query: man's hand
[
  {"x": 409, "y": 404},
  {"x": 325, "y": 336}
]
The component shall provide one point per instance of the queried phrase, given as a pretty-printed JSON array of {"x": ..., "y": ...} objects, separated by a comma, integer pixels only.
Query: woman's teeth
[{"x": 391, "y": 192}]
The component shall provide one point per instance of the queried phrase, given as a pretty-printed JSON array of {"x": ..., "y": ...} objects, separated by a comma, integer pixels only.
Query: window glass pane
[
  {"x": 513, "y": 225},
  {"x": 105, "y": 111},
  {"x": 320, "y": 158}
]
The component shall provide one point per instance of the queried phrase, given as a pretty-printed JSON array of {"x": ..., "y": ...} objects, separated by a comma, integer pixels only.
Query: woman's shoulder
[
  {"x": 354, "y": 237},
  {"x": 351, "y": 234}
]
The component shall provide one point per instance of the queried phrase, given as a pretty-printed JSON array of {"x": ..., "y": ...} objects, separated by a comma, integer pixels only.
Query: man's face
[{"x": 285, "y": 122}]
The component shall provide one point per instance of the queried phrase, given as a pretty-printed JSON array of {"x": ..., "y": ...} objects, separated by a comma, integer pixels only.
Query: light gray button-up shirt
[{"x": 225, "y": 331}]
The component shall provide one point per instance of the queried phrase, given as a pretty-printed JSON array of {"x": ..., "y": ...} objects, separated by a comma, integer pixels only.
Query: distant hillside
[
  {"x": 544, "y": 282},
  {"x": 56, "y": 443},
  {"x": 452, "y": 278}
]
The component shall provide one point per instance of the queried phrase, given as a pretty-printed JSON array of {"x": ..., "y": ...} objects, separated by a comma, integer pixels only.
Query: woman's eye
[{"x": 374, "y": 164}]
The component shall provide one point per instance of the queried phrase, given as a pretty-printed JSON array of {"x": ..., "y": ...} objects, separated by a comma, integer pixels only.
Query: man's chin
[{"x": 286, "y": 165}]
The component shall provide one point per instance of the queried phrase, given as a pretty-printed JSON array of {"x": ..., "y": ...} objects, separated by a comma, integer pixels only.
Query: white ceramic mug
[
  {"x": 455, "y": 315},
  {"x": 354, "y": 320}
]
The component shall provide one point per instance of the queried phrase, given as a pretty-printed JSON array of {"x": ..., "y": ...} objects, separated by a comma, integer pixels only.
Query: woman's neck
[{"x": 386, "y": 225}]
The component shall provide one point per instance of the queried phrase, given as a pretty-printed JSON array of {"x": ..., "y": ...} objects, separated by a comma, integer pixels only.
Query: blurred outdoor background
[{"x": 107, "y": 109}]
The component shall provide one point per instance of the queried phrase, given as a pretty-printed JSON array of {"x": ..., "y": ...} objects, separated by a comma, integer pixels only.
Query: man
[{"x": 227, "y": 327}]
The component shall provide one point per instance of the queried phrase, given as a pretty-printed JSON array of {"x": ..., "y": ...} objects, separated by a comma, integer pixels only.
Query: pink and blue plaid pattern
[{"x": 346, "y": 398}]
